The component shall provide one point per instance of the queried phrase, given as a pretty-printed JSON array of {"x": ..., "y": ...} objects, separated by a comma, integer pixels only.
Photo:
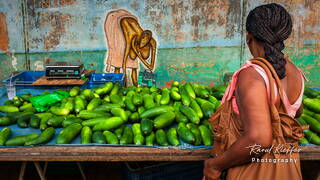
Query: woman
[{"x": 257, "y": 111}]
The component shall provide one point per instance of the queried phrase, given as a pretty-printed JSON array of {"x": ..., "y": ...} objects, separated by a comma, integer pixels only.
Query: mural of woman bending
[{"x": 128, "y": 42}]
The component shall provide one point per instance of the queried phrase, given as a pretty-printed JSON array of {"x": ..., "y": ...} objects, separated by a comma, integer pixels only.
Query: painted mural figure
[{"x": 128, "y": 42}]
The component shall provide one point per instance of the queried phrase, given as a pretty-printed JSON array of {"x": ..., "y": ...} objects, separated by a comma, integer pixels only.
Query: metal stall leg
[
  {"x": 22, "y": 171},
  {"x": 39, "y": 169},
  {"x": 81, "y": 171}
]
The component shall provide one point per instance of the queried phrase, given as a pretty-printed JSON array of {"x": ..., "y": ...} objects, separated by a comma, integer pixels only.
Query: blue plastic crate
[
  {"x": 24, "y": 78},
  {"x": 97, "y": 79},
  {"x": 163, "y": 170}
]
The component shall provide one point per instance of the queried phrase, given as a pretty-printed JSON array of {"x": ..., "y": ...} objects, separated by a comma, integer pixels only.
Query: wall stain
[
  {"x": 134, "y": 5},
  {"x": 57, "y": 29},
  {"x": 50, "y": 3},
  {"x": 4, "y": 38}
]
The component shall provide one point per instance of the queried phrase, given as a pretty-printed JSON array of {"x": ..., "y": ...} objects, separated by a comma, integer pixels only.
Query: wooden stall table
[{"x": 113, "y": 154}]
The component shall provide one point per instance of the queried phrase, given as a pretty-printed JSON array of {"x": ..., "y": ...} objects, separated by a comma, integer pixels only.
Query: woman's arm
[
  {"x": 153, "y": 45},
  {"x": 254, "y": 110}
]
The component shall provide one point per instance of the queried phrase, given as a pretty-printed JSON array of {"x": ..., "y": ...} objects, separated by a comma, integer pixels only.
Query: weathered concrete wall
[{"x": 198, "y": 40}]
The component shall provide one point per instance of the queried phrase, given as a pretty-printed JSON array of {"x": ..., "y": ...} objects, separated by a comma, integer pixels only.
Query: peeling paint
[
  {"x": 4, "y": 39},
  {"x": 57, "y": 29}
]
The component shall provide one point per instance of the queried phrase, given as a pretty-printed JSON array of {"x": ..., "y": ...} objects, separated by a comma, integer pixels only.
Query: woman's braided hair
[{"x": 271, "y": 24}]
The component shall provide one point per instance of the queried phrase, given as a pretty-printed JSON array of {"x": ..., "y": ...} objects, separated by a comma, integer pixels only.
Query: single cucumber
[
  {"x": 108, "y": 124},
  {"x": 95, "y": 102},
  {"x": 88, "y": 94},
  {"x": 56, "y": 121},
  {"x": 155, "y": 111},
  {"x": 94, "y": 121},
  {"x": 8, "y": 102},
  {"x": 146, "y": 126},
  {"x": 4, "y": 135},
  {"x": 119, "y": 131},
  {"x": 303, "y": 141},
  {"x": 134, "y": 117},
  {"x": 214, "y": 101},
  {"x": 206, "y": 135},
  {"x": 110, "y": 137},
  {"x": 310, "y": 93},
  {"x": 190, "y": 114},
  {"x": 137, "y": 100},
  {"x": 141, "y": 109},
  {"x": 43, "y": 122},
  {"x": 8, "y": 108},
  {"x": 195, "y": 106},
  {"x": 179, "y": 116},
  {"x": 165, "y": 98},
  {"x": 85, "y": 114},
  {"x": 24, "y": 118},
  {"x": 116, "y": 99},
  {"x": 26, "y": 107},
  {"x": 98, "y": 138},
  {"x": 138, "y": 138},
  {"x": 185, "y": 99},
  {"x": 107, "y": 107},
  {"x": 175, "y": 84},
  {"x": 119, "y": 112},
  {"x": 164, "y": 120},
  {"x": 20, "y": 140},
  {"x": 26, "y": 97},
  {"x": 68, "y": 133},
  {"x": 127, "y": 136},
  {"x": 153, "y": 89},
  {"x": 86, "y": 135},
  {"x": 74, "y": 91},
  {"x": 158, "y": 98},
  {"x": 129, "y": 104},
  {"x": 107, "y": 99},
  {"x": 314, "y": 124},
  {"x": 190, "y": 91},
  {"x": 196, "y": 132},
  {"x": 70, "y": 121},
  {"x": 43, "y": 138},
  {"x": 302, "y": 121},
  {"x": 148, "y": 101},
  {"x": 185, "y": 134},
  {"x": 312, "y": 104},
  {"x": 59, "y": 111},
  {"x": 208, "y": 109},
  {"x": 161, "y": 138},
  {"x": 5, "y": 121},
  {"x": 172, "y": 137},
  {"x": 104, "y": 89},
  {"x": 69, "y": 104},
  {"x": 150, "y": 139},
  {"x": 307, "y": 112},
  {"x": 79, "y": 104},
  {"x": 317, "y": 117},
  {"x": 200, "y": 92},
  {"x": 312, "y": 137},
  {"x": 208, "y": 124},
  {"x": 115, "y": 89},
  {"x": 175, "y": 95}
]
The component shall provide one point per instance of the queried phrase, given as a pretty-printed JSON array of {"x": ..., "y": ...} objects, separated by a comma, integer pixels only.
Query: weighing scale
[{"x": 64, "y": 70}]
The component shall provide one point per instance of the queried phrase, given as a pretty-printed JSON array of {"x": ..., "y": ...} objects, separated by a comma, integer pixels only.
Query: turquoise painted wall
[{"x": 198, "y": 40}]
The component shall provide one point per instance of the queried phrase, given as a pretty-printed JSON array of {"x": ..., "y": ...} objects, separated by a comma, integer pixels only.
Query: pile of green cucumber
[
  {"x": 111, "y": 114},
  {"x": 311, "y": 117}
]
